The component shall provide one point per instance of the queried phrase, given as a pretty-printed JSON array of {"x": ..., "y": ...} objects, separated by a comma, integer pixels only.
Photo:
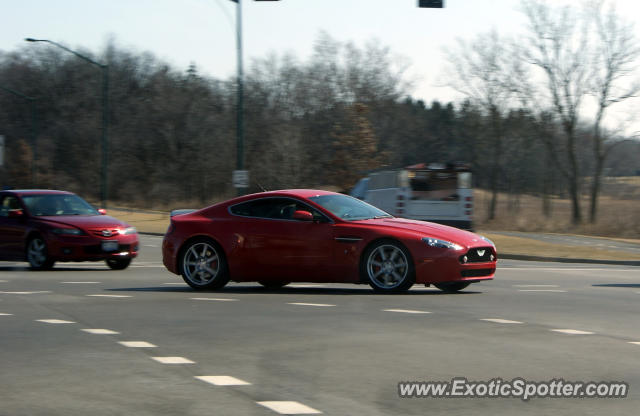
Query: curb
[{"x": 567, "y": 260}]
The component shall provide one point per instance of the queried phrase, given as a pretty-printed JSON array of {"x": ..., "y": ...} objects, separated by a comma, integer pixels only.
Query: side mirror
[
  {"x": 102, "y": 211},
  {"x": 303, "y": 216},
  {"x": 16, "y": 213}
]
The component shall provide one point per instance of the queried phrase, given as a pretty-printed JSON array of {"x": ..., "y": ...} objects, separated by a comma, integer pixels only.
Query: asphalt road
[{"x": 335, "y": 349}]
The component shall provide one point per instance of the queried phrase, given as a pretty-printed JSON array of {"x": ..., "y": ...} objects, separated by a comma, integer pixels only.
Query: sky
[{"x": 202, "y": 32}]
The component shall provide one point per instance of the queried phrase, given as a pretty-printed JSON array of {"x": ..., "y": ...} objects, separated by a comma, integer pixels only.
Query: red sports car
[
  {"x": 43, "y": 227},
  {"x": 279, "y": 237}
]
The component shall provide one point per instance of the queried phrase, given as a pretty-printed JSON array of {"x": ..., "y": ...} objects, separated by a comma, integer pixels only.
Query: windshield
[
  {"x": 53, "y": 205},
  {"x": 348, "y": 208}
]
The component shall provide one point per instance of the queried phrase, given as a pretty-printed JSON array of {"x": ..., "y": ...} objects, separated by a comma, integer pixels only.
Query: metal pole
[{"x": 240, "y": 98}]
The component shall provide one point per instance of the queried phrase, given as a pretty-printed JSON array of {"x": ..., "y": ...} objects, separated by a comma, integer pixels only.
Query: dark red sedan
[
  {"x": 42, "y": 227},
  {"x": 317, "y": 236}
]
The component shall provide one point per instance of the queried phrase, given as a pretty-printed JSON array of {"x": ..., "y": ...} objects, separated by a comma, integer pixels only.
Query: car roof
[
  {"x": 303, "y": 193},
  {"x": 36, "y": 192}
]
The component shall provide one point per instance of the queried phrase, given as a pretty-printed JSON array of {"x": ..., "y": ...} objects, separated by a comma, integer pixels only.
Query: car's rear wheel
[
  {"x": 452, "y": 287},
  {"x": 388, "y": 267},
  {"x": 118, "y": 264},
  {"x": 272, "y": 285},
  {"x": 38, "y": 254},
  {"x": 203, "y": 265}
]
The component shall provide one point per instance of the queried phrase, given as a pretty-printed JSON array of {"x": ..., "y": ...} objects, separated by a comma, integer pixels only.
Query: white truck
[{"x": 434, "y": 192}]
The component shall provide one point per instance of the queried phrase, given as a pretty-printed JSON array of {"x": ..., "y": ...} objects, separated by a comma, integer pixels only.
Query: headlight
[
  {"x": 67, "y": 231},
  {"x": 128, "y": 231},
  {"x": 487, "y": 240},
  {"x": 434, "y": 242}
]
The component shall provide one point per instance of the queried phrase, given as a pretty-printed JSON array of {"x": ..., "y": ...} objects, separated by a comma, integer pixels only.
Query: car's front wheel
[
  {"x": 118, "y": 264},
  {"x": 203, "y": 265},
  {"x": 451, "y": 287},
  {"x": 38, "y": 254},
  {"x": 388, "y": 267}
]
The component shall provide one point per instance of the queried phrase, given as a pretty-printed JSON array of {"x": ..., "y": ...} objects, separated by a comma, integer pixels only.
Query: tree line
[{"x": 330, "y": 119}]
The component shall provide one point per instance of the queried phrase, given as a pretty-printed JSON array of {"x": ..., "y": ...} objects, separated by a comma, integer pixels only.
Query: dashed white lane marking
[
  {"x": 218, "y": 299},
  {"x": 81, "y": 283},
  {"x": 500, "y": 321},
  {"x": 4, "y": 281},
  {"x": 223, "y": 380},
  {"x": 572, "y": 331},
  {"x": 111, "y": 296},
  {"x": 54, "y": 321},
  {"x": 290, "y": 408},
  {"x": 635, "y": 342},
  {"x": 100, "y": 331},
  {"x": 568, "y": 269},
  {"x": 173, "y": 360},
  {"x": 137, "y": 344},
  {"x": 151, "y": 245},
  {"x": 309, "y": 304},
  {"x": 542, "y": 290},
  {"x": 26, "y": 293},
  {"x": 6, "y": 314},
  {"x": 535, "y": 285},
  {"x": 404, "y": 311}
]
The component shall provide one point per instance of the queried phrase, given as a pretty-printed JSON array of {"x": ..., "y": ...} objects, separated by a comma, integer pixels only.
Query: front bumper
[
  {"x": 447, "y": 266},
  {"x": 90, "y": 248}
]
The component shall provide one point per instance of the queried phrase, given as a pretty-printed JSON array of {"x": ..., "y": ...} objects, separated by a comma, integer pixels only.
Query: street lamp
[
  {"x": 105, "y": 113},
  {"x": 34, "y": 145}
]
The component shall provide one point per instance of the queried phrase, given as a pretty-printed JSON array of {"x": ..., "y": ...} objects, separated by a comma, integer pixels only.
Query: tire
[
  {"x": 118, "y": 264},
  {"x": 203, "y": 265},
  {"x": 272, "y": 285},
  {"x": 451, "y": 287},
  {"x": 38, "y": 255},
  {"x": 388, "y": 267}
]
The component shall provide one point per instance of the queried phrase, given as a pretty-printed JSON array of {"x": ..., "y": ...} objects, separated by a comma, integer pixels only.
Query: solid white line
[
  {"x": 218, "y": 299},
  {"x": 26, "y": 293},
  {"x": 304, "y": 285},
  {"x": 223, "y": 380},
  {"x": 176, "y": 284},
  {"x": 100, "y": 331},
  {"x": 54, "y": 321},
  {"x": 500, "y": 321},
  {"x": 572, "y": 331},
  {"x": 111, "y": 296},
  {"x": 309, "y": 304},
  {"x": 81, "y": 283},
  {"x": 137, "y": 344},
  {"x": 6, "y": 314},
  {"x": 542, "y": 290},
  {"x": 404, "y": 311},
  {"x": 290, "y": 408},
  {"x": 535, "y": 285},
  {"x": 173, "y": 360}
]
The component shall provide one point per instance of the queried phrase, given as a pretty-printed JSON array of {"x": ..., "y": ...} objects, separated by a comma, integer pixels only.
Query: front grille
[
  {"x": 478, "y": 255},
  {"x": 477, "y": 272},
  {"x": 100, "y": 232}
]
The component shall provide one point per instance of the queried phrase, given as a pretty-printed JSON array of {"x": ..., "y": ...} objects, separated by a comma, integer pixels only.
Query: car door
[
  {"x": 278, "y": 247},
  {"x": 12, "y": 230}
]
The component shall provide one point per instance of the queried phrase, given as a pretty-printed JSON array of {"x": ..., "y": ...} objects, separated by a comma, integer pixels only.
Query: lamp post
[
  {"x": 34, "y": 129},
  {"x": 105, "y": 114}
]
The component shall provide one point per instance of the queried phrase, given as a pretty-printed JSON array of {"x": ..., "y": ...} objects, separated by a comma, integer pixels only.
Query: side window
[
  {"x": 7, "y": 204},
  {"x": 274, "y": 208}
]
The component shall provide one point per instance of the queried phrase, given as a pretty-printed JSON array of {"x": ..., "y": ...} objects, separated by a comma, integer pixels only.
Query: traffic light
[{"x": 433, "y": 4}]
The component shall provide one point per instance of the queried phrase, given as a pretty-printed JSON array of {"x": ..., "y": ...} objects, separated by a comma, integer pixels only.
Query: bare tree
[
  {"x": 558, "y": 42},
  {"x": 486, "y": 72},
  {"x": 615, "y": 60}
]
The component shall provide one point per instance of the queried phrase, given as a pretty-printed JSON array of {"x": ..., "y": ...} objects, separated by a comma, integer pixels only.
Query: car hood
[
  {"x": 85, "y": 221},
  {"x": 430, "y": 229}
]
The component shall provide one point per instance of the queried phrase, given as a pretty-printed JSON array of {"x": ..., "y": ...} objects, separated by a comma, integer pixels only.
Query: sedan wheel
[
  {"x": 37, "y": 254},
  {"x": 388, "y": 268},
  {"x": 204, "y": 266}
]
